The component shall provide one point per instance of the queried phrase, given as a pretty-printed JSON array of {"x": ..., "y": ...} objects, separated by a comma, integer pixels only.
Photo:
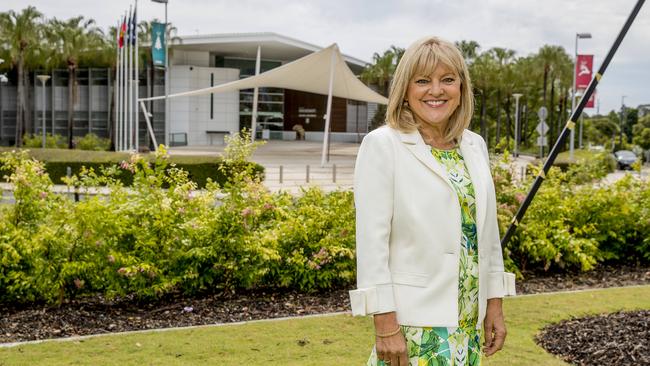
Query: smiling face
[{"x": 433, "y": 98}]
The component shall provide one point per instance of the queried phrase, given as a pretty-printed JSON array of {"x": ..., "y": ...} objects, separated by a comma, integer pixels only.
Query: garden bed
[
  {"x": 98, "y": 316},
  {"x": 621, "y": 338}
]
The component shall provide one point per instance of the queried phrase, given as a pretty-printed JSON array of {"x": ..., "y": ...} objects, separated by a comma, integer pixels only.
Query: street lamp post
[
  {"x": 620, "y": 140},
  {"x": 573, "y": 88},
  {"x": 517, "y": 96},
  {"x": 43, "y": 79},
  {"x": 3, "y": 80},
  {"x": 166, "y": 133}
]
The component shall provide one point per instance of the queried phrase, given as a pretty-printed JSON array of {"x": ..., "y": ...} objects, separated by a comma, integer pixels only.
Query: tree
[
  {"x": 641, "y": 132},
  {"x": 469, "y": 50},
  {"x": 484, "y": 74},
  {"x": 382, "y": 69},
  {"x": 503, "y": 57},
  {"x": 73, "y": 39},
  {"x": 21, "y": 36}
]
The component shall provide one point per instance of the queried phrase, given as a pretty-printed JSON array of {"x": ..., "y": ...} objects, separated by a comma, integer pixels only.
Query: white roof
[
  {"x": 310, "y": 74},
  {"x": 274, "y": 46}
]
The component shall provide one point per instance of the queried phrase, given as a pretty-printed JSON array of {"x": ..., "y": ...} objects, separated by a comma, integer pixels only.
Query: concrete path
[{"x": 291, "y": 165}]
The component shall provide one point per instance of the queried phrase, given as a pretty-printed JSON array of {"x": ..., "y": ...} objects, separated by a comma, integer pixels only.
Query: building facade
[{"x": 196, "y": 62}]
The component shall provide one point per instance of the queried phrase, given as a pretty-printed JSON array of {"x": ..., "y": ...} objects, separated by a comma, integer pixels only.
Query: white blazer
[{"x": 409, "y": 230}]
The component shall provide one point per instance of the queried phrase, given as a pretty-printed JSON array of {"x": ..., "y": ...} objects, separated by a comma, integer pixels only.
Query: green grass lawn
[{"x": 331, "y": 340}]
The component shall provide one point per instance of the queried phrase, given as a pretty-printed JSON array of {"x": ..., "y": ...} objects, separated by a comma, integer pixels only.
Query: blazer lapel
[
  {"x": 415, "y": 144},
  {"x": 475, "y": 163}
]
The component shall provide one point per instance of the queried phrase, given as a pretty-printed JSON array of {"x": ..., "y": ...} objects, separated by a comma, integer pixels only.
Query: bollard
[
  {"x": 281, "y": 169},
  {"x": 333, "y": 173},
  {"x": 307, "y": 174},
  {"x": 68, "y": 173}
]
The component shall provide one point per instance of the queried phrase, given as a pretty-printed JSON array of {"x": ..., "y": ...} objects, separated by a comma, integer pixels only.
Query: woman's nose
[{"x": 435, "y": 88}]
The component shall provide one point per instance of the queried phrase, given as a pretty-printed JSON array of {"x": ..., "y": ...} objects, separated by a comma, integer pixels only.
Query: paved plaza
[{"x": 291, "y": 165}]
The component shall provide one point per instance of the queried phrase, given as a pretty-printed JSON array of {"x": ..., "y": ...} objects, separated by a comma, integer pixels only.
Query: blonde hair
[{"x": 422, "y": 57}]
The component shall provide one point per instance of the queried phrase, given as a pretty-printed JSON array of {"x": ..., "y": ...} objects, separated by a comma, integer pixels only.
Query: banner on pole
[
  {"x": 584, "y": 70},
  {"x": 158, "y": 44}
]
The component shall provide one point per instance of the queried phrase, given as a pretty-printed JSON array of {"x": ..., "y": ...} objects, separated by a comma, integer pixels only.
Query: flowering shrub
[
  {"x": 160, "y": 235},
  {"x": 573, "y": 222}
]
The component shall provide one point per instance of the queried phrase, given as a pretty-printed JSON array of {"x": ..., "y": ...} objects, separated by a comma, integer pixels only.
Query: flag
[
  {"x": 127, "y": 29},
  {"x": 121, "y": 31},
  {"x": 133, "y": 25},
  {"x": 584, "y": 69},
  {"x": 158, "y": 44}
]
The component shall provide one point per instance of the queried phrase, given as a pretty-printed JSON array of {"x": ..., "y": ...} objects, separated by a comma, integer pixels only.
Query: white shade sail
[{"x": 310, "y": 74}]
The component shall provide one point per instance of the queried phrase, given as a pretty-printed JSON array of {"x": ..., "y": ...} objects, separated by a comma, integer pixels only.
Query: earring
[{"x": 405, "y": 103}]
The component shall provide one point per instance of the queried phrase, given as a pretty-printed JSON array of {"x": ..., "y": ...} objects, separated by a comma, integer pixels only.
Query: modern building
[
  {"x": 197, "y": 61},
  {"x": 202, "y": 61}
]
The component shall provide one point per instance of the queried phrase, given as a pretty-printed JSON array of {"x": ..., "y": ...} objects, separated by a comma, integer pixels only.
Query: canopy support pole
[
  {"x": 146, "y": 118},
  {"x": 325, "y": 155},
  {"x": 255, "y": 94}
]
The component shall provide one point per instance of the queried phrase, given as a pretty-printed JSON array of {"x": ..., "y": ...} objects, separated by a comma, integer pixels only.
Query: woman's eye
[
  {"x": 421, "y": 81},
  {"x": 448, "y": 80}
]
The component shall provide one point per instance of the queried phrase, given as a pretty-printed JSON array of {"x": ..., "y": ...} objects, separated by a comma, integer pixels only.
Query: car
[{"x": 625, "y": 159}]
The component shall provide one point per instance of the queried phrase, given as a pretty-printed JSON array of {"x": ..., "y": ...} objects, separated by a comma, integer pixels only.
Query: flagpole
[
  {"x": 125, "y": 90},
  {"x": 117, "y": 88},
  {"x": 137, "y": 77},
  {"x": 129, "y": 126}
]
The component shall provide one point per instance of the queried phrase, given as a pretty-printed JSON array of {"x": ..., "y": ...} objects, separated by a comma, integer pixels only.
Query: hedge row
[
  {"x": 163, "y": 241},
  {"x": 200, "y": 168}
]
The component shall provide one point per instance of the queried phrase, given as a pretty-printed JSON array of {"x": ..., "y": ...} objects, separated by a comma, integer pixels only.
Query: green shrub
[
  {"x": 200, "y": 168},
  {"x": 159, "y": 235},
  {"x": 51, "y": 142},
  {"x": 146, "y": 241},
  {"x": 574, "y": 222},
  {"x": 92, "y": 142}
]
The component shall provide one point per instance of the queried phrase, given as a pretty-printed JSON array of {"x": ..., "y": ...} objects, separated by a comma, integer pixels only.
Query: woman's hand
[
  {"x": 494, "y": 326},
  {"x": 392, "y": 349}
]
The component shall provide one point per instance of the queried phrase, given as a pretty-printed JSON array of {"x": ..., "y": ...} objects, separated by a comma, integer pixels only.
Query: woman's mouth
[{"x": 435, "y": 103}]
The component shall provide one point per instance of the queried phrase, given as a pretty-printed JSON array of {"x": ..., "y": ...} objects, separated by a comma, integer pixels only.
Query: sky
[{"x": 364, "y": 27}]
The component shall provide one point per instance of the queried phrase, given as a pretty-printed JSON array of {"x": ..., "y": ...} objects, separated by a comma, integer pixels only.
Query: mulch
[
  {"x": 621, "y": 339},
  {"x": 97, "y": 315}
]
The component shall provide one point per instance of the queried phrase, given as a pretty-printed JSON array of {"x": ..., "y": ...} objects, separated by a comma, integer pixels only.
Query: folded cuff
[
  {"x": 501, "y": 284},
  {"x": 372, "y": 300}
]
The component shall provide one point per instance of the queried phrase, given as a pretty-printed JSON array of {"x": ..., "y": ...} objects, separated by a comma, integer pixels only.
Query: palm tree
[
  {"x": 381, "y": 71},
  {"x": 21, "y": 36},
  {"x": 469, "y": 49},
  {"x": 483, "y": 71},
  {"x": 72, "y": 39},
  {"x": 503, "y": 58},
  {"x": 549, "y": 58}
]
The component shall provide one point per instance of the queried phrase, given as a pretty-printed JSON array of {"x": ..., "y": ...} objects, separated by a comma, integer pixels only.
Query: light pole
[
  {"x": 166, "y": 133},
  {"x": 620, "y": 139},
  {"x": 573, "y": 88},
  {"x": 43, "y": 79},
  {"x": 517, "y": 96},
  {"x": 3, "y": 80}
]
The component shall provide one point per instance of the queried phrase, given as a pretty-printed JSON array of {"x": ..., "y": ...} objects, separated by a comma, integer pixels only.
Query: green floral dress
[{"x": 452, "y": 346}]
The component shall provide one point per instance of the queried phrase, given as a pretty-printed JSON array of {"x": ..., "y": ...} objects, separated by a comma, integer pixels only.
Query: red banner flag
[
  {"x": 122, "y": 31},
  {"x": 584, "y": 67},
  {"x": 591, "y": 102}
]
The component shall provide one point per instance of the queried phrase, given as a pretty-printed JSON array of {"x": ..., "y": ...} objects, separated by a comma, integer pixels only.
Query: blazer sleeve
[
  {"x": 500, "y": 283},
  {"x": 373, "y": 198}
]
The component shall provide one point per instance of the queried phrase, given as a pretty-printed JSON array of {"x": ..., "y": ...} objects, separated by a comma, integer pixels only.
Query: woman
[{"x": 429, "y": 262}]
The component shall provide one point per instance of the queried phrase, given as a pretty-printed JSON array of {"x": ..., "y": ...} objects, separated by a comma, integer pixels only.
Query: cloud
[{"x": 364, "y": 27}]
